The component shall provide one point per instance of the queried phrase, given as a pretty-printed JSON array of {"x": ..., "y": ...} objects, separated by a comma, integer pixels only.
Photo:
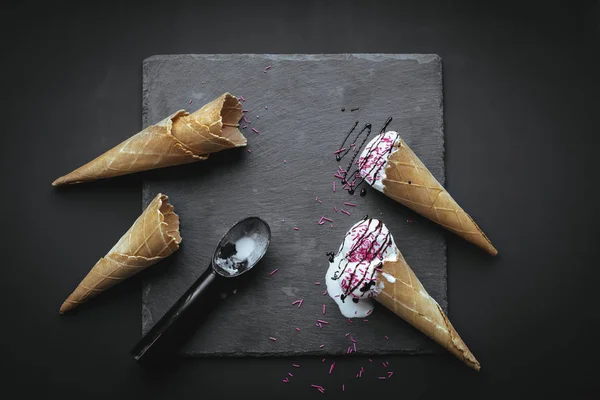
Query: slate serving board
[{"x": 296, "y": 106}]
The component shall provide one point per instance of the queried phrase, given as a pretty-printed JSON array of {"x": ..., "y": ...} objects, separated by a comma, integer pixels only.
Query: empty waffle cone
[
  {"x": 181, "y": 138},
  {"x": 408, "y": 181},
  {"x": 152, "y": 237},
  {"x": 404, "y": 295}
]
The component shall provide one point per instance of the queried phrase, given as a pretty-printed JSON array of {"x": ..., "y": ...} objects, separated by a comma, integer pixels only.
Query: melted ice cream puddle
[
  {"x": 373, "y": 160},
  {"x": 353, "y": 276}
]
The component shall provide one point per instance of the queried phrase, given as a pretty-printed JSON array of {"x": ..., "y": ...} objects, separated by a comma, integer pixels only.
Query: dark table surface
[{"x": 521, "y": 109}]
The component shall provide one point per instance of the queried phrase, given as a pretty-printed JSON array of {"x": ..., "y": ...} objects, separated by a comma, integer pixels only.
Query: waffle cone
[
  {"x": 408, "y": 181},
  {"x": 152, "y": 237},
  {"x": 408, "y": 299},
  {"x": 181, "y": 138}
]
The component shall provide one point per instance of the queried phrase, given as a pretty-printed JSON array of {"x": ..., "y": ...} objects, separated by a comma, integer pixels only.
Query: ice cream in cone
[
  {"x": 390, "y": 166},
  {"x": 368, "y": 266},
  {"x": 152, "y": 237},
  {"x": 180, "y": 138}
]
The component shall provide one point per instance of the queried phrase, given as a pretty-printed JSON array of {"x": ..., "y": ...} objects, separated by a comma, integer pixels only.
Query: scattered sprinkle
[
  {"x": 349, "y": 350},
  {"x": 386, "y": 337},
  {"x": 323, "y": 309},
  {"x": 285, "y": 380},
  {"x": 249, "y": 151},
  {"x": 295, "y": 366},
  {"x": 327, "y": 219},
  {"x": 272, "y": 272},
  {"x": 241, "y": 98},
  {"x": 354, "y": 344},
  {"x": 339, "y": 151},
  {"x": 321, "y": 346},
  {"x": 409, "y": 220},
  {"x": 343, "y": 388},
  {"x": 284, "y": 161},
  {"x": 244, "y": 111},
  {"x": 381, "y": 377},
  {"x": 317, "y": 283},
  {"x": 345, "y": 212},
  {"x": 203, "y": 83},
  {"x": 333, "y": 186},
  {"x": 325, "y": 292},
  {"x": 245, "y": 119},
  {"x": 390, "y": 373},
  {"x": 298, "y": 329},
  {"x": 370, "y": 360},
  {"x": 365, "y": 320},
  {"x": 349, "y": 204},
  {"x": 296, "y": 229},
  {"x": 267, "y": 68},
  {"x": 322, "y": 322},
  {"x": 352, "y": 339},
  {"x": 323, "y": 360},
  {"x": 335, "y": 209},
  {"x": 347, "y": 334},
  {"x": 290, "y": 374},
  {"x": 331, "y": 368},
  {"x": 255, "y": 130},
  {"x": 349, "y": 321},
  {"x": 331, "y": 225},
  {"x": 273, "y": 339},
  {"x": 316, "y": 198},
  {"x": 297, "y": 302},
  {"x": 369, "y": 312},
  {"x": 190, "y": 102},
  {"x": 244, "y": 127}
]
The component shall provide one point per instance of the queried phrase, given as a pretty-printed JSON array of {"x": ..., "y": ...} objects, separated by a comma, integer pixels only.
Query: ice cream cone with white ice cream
[
  {"x": 391, "y": 167},
  {"x": 368, "y": 266}
]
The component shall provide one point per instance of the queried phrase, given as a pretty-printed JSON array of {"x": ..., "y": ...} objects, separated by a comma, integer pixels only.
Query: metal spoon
[{"x": 238, "y": 251}]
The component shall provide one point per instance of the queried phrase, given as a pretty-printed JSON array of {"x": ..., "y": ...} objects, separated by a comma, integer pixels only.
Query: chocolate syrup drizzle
[
  {"x": 370, "y": 281},
  {"x": 349, "y": 173}
]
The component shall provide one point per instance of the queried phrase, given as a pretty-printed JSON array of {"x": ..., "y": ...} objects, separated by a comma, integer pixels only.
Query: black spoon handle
[{"x": 169, "y": 333}]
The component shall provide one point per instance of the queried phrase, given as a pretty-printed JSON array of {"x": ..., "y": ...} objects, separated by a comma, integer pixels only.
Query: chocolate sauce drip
[
  {"x": 353, "y": 175},
  {"x": 341, "y": 155},
  {"x": 331, "y": 255}
]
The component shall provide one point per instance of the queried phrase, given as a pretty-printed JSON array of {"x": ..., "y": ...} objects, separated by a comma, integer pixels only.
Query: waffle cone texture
[
  {"x": 152, "y": 237},
  {"x": 409, "y": 182},
  {"x": 181, "y": 138},
  {"x": 408, "y": 299}
]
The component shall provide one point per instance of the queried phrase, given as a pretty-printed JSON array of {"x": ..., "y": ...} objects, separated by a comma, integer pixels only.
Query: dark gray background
[
  {"x": 521, "y": 109},
  {"x": 303, "y": 124}
]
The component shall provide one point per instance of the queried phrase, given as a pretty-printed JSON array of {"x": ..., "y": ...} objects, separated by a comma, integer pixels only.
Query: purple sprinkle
[
  {"x": 386, "y": 338},
  {"x": 321, "y": 346},
  {"x": 272, "y": 272},
  {"x": 382, "y": 377},
  {"x": 298, "y": 329},
  {"x": 272, "y": 338},
  {"x": 295, "y": 366},
  {"x": 255, "y": 131}
]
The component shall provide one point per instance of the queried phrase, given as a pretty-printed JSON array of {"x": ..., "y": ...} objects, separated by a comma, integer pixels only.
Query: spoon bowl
[{"x": 242, "y": 247}]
